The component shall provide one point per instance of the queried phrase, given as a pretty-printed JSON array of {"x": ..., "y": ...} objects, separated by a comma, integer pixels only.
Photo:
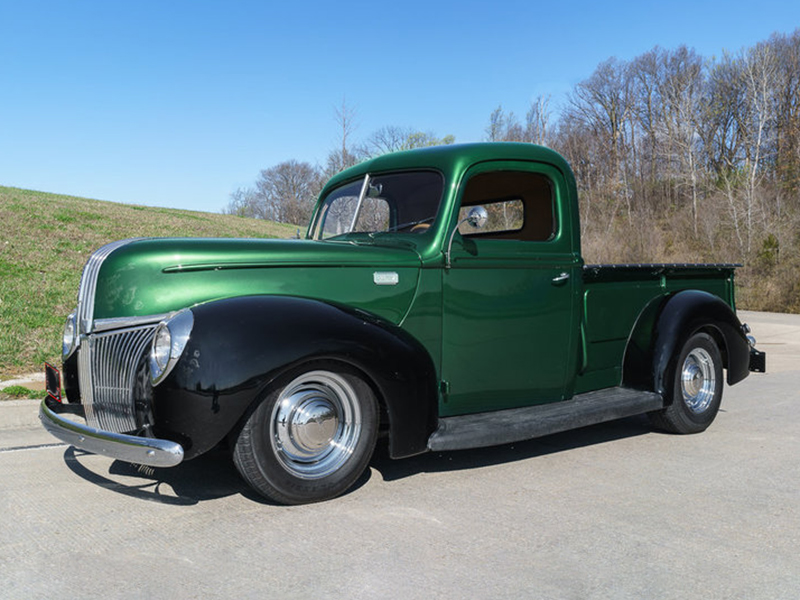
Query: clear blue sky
[{"x": 178, "y": 103}]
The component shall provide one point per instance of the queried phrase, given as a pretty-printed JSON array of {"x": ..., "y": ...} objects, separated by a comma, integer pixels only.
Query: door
[{"x": 510, "y": 299}]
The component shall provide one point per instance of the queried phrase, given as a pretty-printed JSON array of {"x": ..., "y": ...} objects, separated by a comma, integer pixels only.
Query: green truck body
[{"x": 468, "y": 255}]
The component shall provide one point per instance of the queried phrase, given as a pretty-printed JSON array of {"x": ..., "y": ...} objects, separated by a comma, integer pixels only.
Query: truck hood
[{"x": 159, "y": 276}]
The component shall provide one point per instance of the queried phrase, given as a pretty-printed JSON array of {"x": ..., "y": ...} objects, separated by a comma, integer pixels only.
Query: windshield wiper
[{"x": 343, "y": 238}]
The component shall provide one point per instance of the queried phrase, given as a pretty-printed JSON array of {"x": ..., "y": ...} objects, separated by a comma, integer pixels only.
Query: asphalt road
[{"x": 611, "y": 511}]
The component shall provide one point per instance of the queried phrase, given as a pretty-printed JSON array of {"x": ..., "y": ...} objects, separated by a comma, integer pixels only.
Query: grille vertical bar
[{"x": 107, "y": 370}]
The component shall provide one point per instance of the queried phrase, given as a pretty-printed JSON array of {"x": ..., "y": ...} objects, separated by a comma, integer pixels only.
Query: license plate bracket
[{"x": 53, "y": 382}]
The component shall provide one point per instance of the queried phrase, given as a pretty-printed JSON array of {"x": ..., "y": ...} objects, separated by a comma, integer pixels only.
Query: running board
[{"x": 517, "y": 424}]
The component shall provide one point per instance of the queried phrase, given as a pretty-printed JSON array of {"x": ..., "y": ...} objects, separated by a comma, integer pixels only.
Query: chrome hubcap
[
  {"x": 698, "y": 380},
  {"x": 315, "y": 424}
]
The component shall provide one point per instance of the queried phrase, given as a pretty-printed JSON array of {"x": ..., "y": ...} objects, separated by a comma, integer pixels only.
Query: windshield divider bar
[{"x": 360, "y": 202}]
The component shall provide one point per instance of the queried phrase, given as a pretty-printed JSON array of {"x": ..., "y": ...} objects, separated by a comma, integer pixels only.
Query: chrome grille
[{"x": 107, "y": 366}]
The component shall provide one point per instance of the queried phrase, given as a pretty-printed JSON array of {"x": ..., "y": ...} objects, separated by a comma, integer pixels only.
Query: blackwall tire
[
  {"x": 695, "y": 391},
  {"x": 311, "y": 437}
]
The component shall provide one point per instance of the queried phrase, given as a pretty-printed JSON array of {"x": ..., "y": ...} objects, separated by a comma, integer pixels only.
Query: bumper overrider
[
  {"x": 129, "y": 448},
  {"x": 758, "y": 359}
]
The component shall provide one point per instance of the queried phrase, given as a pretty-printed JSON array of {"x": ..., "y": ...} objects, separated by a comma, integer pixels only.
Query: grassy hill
[{"x": 45, "y": 240}]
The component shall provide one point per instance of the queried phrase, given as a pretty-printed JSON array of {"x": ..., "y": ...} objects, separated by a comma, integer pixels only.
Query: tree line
[
  {"x": 677, "y": 157},
  {"x": 684, "y": 159}
]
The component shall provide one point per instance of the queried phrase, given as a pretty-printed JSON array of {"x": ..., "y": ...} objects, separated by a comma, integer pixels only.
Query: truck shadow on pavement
[
  {"x": 208, "y": 477},
  {"x": 213, "y": 476}
]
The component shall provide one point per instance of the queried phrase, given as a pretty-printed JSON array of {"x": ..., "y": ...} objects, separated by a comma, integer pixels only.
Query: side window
[
  {"x": 519, "y": 204},
  {"x": 504, "y": 216}
]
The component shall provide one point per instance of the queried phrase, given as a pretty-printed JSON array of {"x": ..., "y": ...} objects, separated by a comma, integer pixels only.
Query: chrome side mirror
[{"x": 476, "y": 217}]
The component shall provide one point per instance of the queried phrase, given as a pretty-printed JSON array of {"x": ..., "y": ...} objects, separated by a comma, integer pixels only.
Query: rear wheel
[
  {"x": 696, "y": 388},
  {"x": 311, "y": 438}
]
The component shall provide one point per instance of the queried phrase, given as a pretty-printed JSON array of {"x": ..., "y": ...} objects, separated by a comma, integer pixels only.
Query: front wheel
[
  {"x": 696, "y": 388},
  {"x": 310, "y": 439}
]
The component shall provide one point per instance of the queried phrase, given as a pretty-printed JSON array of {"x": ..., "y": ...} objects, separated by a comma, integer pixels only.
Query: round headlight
[
  {"x": 161, "y": 350},
  {"x": 68, "y": 341},
  {"x": 168, "y": 343}
]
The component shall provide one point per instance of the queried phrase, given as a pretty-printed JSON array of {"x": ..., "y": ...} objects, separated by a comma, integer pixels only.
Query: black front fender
[{"x": 238, "y": 347}]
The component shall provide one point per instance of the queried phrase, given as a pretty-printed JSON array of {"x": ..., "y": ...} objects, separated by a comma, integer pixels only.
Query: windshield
[{"x": 396, "y": 202}]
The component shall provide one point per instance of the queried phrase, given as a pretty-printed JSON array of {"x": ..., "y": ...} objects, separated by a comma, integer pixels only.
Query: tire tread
[
  {"x": 676, "y": 417},
  {"x": 268, "y": 478}
]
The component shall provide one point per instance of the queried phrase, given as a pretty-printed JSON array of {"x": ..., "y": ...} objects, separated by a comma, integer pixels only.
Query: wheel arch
[
  {"x": 663, "y": 327},
  {"x": 285, "y": 373},
  {"x": 241, "y": 347}
]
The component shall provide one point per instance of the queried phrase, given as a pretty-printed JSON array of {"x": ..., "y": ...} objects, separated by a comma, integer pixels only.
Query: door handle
[{"x": 562, "y": 278}]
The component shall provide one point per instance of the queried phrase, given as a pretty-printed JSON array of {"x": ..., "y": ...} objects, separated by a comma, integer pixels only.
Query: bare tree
[
  {"x": 506, "y": 127},
  {"x": 394, "y": 139},
  {"x": 646, "y": 106},
  {"x": 787, "y": 111},
  {"x": 290, "y": 190},
  {"x": 721, "y": 114},
  {"x": 339, "y": 160},
  {"x": 784, "y": 164},
  {"x": 584, "y": 154},
  {"x": 245, "y": 202},
  {"x": 285, "y": 193},
  {"x": 759, "y": 69},
  {"x": 537, "y": 121},
  {"x": 343, "y": 156},
  {"x": 495, "y": 131},
  {"x": 602, "y": 105},
  {"x": 386, "y": 139},
  {"x": 680, "y": 93},
  {"x": 345, "y": 118}
]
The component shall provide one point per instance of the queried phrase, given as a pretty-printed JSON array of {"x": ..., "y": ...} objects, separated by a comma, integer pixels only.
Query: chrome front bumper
[{"x": 129, "y": 448}]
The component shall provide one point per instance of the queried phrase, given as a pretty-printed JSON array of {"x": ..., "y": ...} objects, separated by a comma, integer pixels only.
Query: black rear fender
[{"x": 664, "y": 326}]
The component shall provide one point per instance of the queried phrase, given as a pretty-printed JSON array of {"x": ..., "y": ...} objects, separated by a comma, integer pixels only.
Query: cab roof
[{"x": 452, "y": 159}]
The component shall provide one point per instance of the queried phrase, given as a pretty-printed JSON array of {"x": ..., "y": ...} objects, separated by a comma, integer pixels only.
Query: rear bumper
[
  {"x": 129, "y": 448},
  {"x": 758, "y": 361}
]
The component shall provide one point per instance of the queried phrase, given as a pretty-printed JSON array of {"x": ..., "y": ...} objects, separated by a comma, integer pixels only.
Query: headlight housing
[
  {"x": 168, "y": 344},
  {"x": 69, "y": 341}
]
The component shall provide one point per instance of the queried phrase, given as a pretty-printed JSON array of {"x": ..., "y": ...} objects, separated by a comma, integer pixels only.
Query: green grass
[
  {"x": 45, "y": 240},
  {"x": 14, "y": 392}
]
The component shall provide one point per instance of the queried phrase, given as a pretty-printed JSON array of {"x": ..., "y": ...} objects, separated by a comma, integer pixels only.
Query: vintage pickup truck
[{"x": 439, "y": 298}]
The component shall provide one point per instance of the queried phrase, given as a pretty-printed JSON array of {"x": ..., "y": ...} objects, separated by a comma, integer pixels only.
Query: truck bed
[{"x": 613, "y": 298}]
